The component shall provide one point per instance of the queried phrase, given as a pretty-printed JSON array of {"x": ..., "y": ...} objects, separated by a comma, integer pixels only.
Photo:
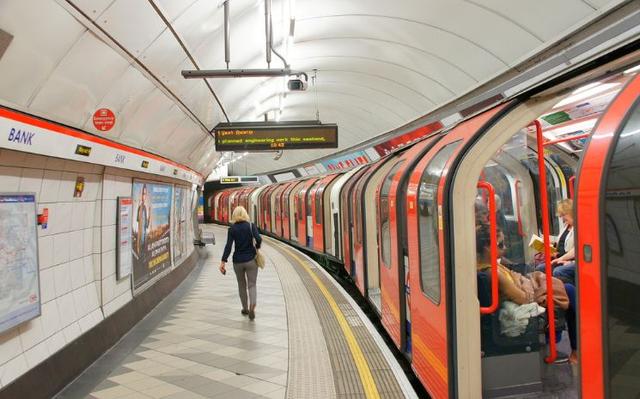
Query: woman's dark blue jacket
[{"x": 242, "y": 234}]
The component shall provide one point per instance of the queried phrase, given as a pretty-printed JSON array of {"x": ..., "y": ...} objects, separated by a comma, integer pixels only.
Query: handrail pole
[
  {"x": 518, "y": 184},
  {"x": 544, "y": 205},
  {"x": 493, "y": 232},
  {"x": 572, "y": 181}
]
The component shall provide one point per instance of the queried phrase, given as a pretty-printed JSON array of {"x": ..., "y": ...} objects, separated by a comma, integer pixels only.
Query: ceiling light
[
  {"x": 583, "y": 95},
  {"x": 586, "y": 87},
  {"x": 633, "y": 69}
]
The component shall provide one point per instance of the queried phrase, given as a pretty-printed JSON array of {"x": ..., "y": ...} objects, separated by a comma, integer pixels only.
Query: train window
[
  {"x": 428, "y": 223},
  {"x": 300, "y": 201},
  {"x": 383, "y": 208},
  {"x": 319, "y": 192},
  {"x": 310, "y": 199},
  {"x": 622, "y": 234}
]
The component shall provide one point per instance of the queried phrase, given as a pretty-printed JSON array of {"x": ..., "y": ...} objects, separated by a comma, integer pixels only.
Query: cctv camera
[{"x": 297, "y": 85}]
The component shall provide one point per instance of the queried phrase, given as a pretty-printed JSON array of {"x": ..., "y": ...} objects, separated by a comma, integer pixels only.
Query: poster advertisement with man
[{"x": 150, "y": 230}]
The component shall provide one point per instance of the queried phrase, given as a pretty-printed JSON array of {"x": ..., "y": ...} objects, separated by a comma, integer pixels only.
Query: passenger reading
[{"x": 263, "y": 138}]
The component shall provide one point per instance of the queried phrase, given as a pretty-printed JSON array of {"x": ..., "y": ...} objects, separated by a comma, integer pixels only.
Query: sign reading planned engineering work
[
  {"x": 269, "y": 136},
  {"x": 239, "y": 179}
]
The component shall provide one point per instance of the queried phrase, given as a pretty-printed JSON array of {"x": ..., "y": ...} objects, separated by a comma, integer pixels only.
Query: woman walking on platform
[{"x": 243, "y": 233}]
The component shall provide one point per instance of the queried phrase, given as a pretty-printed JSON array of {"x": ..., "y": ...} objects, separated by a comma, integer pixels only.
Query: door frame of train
[
  {"x": 460, "y": 217},
  {"x": 590, "y": 189}
]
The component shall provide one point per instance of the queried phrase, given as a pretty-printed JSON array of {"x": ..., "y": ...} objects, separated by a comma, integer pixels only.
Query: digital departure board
[
  {"x": 269, "y": 136},
  {"x": 239, "y": 179}
]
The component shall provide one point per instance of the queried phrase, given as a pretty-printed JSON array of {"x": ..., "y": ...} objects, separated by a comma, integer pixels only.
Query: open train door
[
  {"x": 431, "y": 278},
  {"x": 608, "y": 226}
]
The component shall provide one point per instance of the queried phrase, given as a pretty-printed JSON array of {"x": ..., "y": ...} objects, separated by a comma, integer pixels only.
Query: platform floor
[{"x": 309, "y": 340}]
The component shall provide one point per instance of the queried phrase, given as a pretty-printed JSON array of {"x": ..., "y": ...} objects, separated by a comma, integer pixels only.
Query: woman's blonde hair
[
  {"x": 239, "y": 215},
  {"x": 564, "y": 207}
]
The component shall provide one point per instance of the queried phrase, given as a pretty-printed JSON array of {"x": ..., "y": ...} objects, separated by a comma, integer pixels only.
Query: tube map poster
[
  {"x": 19, "y": 282},
  {"x": 150, "y": 230}
]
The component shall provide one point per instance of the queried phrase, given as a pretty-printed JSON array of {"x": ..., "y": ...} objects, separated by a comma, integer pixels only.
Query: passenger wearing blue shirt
[{"x": 242, "y": 234}]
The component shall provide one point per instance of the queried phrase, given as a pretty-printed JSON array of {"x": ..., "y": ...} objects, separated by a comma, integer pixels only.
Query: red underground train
[{"x": 405, "y": 229}]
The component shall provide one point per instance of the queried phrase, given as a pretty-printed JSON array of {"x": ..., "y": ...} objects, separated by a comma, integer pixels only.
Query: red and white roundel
[{"x": 104, "y": 119}]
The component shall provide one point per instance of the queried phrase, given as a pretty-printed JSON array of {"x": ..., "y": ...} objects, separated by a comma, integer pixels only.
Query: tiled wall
[{"x": 77, "y": 255}]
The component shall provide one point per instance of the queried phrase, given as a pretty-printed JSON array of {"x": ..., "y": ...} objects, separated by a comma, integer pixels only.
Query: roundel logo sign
[{"x": 104, "y": 119}]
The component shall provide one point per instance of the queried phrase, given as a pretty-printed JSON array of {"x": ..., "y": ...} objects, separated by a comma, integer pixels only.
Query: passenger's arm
[
  {"x": 256, "y": 235},
  {"x": 568, "y": 257},
  {"x": 227, "y": 247},
  {"x": 510, "y": 290}
]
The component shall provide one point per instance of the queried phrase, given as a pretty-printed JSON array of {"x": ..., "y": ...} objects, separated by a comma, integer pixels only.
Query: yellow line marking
[{"x": 370, "y": 389}]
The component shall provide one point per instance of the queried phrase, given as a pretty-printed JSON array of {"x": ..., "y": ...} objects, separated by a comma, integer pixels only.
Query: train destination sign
[
  {"x": 269, "y": 136},
  {"x": 239, "y": 179}
]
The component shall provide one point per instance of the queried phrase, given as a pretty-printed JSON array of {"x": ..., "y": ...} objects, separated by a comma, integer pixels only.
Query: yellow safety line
[{"x": 370, "y": 389}]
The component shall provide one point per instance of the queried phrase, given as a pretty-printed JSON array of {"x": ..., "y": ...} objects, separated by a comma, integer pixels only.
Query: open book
[{"x": 537, "y": 243}]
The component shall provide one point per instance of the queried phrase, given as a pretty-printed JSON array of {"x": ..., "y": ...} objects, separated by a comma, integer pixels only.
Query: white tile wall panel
[
  {"x": 45, "y": 252},
  {"x": 173, "y": 9},
  {"x": 77, "y": 273},
  {"x": 55, "y": 342},
  {"x": 21, "y": 76},
  {"x": 61, "y": 248},
  {"x": 50, "y": 186},
  {"x": 14, "y": 368},
  {"x": 31, "y": 181},
  {"x": 37, "y": 354},
  {"x": 71, "y": 332},
  {"x": 93, "y": 8},
  {"x": 10, "y": 346},
  {"x": 9, "y": 178},
  {"x": 62, "y": 279},
  {"x": 50, "y": 318},
  {"x": 31, "y": 333},
  {"x": 47, "y": 285},
  {"x": 78, "y": 84},
  {"x": 66, "y": 309},
  {"x": 134, "y": 24}
]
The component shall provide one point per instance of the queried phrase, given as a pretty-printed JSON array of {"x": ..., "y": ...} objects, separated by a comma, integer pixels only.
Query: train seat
[{"x": 519, "y": 354}]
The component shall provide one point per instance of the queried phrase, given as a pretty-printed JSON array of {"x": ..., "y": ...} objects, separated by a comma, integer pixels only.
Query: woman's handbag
[{"x": 259, "y": 257}]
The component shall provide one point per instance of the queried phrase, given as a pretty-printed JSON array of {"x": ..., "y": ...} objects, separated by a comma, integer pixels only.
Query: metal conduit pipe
[
  {"x": 267, "y": 28},
  {"x": 227, "y": 32}
]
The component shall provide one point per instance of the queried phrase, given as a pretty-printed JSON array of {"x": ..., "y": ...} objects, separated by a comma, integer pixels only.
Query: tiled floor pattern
[
  {"x": 346, "y": 377},
  {"x": 204, "y": 347},
  {"x": 196, "y": 344}
]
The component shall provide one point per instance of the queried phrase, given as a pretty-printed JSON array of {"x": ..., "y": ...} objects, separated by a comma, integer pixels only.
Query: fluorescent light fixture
[
  {"x": 586, "y": 87},
  {"x": 583, "y": 95},
  {"x": 633, "y": 69}
]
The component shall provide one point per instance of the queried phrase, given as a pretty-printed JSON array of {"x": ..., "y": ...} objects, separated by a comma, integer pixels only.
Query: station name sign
[
  {"x": 269, "y": 136},
  {"x": 239, "y": 179}
]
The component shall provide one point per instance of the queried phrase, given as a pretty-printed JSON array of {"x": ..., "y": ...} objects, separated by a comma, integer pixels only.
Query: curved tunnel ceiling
[{"x": 380, "y": 64}]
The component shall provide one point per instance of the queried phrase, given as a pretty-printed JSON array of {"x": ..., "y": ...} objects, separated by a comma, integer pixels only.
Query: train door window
[
  {"x": 383, "y": 208},
  {"x": 310, "y": 199},
  {"x": 622, "y": 234},
  {"x": 429, "y": 222},
  {"x": 319, "y": 192}
]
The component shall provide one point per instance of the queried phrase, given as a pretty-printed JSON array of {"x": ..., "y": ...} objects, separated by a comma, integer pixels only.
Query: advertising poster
[
  {"x": 19, "y": 280},
  {"x": 124, "y": 261},
  {"x": 201, "y": 208},
  {"x": 181, "y": 209},
  {"x": 150, "y": 230}
]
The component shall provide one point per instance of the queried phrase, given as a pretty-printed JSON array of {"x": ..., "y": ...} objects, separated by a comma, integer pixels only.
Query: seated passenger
[
  {"x": 522, "y": 289},
  {"x": 513, "y": 286},
  {"x": 563, "y": 264}
]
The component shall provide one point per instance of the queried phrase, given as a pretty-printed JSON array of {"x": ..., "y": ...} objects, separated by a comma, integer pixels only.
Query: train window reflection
[
  {"x": 428, "y": 219},
  {"x": 384, "y": 209},
  {"x": 622, "y": 233}
]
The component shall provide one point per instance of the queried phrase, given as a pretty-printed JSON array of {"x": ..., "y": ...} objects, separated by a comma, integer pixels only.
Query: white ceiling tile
[
  {"x": 82, "y": 79},
  {"x": 33, "y": 53}
]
